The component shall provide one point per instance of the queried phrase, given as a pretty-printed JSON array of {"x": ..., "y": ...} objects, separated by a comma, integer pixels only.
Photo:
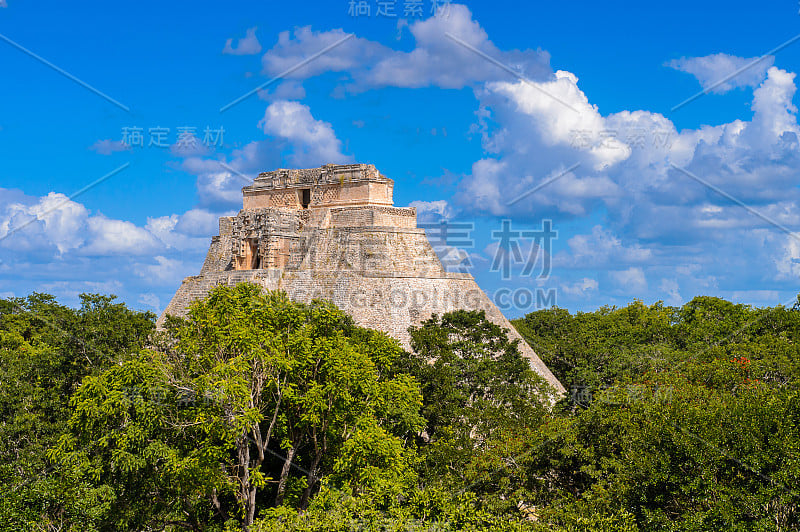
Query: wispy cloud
[
  {"x": 108, "y": 146},
  {"x": 248, "y": 45},
  {"x": 714, "y": 71}
]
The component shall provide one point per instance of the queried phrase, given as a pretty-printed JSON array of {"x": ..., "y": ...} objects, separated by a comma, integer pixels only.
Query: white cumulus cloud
[
  {"x": 581, "y": 288},
  {"x": 313, "y": 142},
  {"x": 435, "y": 60},
  {"x": 632, "y": 280},
  {"x": 736, "y": 72},
  {"x": 433, "y": 211}
]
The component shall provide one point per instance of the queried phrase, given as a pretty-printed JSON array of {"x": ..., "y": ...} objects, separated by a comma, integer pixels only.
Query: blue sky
[{"x": 649, "y": 202}]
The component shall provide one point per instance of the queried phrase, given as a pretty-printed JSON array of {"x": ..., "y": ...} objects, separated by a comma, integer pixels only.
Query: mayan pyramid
[{"x": 333, "y": 233}]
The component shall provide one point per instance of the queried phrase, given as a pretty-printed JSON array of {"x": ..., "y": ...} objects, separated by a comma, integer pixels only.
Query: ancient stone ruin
[{"x": 333, "y": 233}]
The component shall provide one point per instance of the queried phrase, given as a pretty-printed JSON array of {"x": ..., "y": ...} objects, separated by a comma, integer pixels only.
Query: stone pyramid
[{"x": 333, "y": 233}]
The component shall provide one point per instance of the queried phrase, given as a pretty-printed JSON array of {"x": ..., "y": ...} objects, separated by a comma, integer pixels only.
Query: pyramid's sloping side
[
  {"x": 387, "y": 278},
  {"x": 387, "y": 303}
]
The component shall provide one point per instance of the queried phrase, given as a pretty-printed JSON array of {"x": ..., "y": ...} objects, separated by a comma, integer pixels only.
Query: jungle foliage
[{"x": 258, "y": 413}]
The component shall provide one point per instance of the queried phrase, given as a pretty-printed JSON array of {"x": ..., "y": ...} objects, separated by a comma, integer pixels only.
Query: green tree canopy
[{"x": 252, "y": 399}]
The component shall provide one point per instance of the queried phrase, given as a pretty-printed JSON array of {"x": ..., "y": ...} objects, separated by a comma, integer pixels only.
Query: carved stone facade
[{"x": 333, "y": 233}]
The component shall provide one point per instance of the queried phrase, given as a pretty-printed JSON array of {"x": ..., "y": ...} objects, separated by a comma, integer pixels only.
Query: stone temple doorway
[
  {"x": 250, "y": 260},
  {"x": 255, "y": 258}
]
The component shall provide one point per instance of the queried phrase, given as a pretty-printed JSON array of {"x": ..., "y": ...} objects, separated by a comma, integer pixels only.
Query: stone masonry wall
[{"x": 370, "y": 260}]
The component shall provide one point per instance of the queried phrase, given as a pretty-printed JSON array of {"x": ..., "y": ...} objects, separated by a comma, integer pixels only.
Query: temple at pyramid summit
[{"x": 333, "y": 233}]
